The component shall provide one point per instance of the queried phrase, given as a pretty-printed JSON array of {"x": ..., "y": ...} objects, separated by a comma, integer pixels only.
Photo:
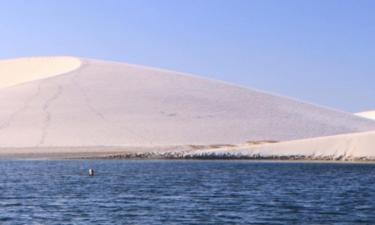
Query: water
[{"x": 186, "y": 192}]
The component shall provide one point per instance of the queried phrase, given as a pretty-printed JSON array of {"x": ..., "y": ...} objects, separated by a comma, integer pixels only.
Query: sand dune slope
[{"x": 104, "y": 103}]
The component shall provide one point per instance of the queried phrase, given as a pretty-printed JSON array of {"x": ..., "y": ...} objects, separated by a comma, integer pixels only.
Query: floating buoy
[{"x": 91, "y": 172}]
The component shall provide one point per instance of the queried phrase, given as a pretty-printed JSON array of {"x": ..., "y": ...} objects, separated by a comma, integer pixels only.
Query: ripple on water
[{"x": 186, "y": 192}]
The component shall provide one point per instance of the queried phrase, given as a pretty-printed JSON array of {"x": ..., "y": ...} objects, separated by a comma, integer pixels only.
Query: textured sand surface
[
  {"x": 16, "y": 71},
  {"x": 368, "y": 114},
  {"x": 105, "y": 103},
  {"x": 343, "y": 147}
]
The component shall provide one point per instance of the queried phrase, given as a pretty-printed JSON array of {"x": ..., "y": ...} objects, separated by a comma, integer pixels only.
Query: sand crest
[{"x": 21, "y": 70}]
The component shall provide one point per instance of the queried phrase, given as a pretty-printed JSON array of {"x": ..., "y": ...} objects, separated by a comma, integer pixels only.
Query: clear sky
[{"x": 318, "y": 51}]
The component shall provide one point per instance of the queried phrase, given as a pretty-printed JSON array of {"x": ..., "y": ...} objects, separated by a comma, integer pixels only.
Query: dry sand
[{"x": 99, "y": 107}]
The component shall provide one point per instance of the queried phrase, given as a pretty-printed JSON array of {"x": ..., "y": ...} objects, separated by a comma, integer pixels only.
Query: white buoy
[{"x": 91, "y": 172}]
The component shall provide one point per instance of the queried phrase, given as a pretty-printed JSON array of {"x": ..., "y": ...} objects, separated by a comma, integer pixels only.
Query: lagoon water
[{"x": 186, "y": 192}]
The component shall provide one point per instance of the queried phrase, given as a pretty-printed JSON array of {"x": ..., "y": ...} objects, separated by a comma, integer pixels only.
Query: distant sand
[{"x": 368, "y": 115}]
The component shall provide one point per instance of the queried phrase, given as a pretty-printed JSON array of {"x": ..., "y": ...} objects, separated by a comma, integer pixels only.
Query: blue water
[{"x": 186, "y": 192}]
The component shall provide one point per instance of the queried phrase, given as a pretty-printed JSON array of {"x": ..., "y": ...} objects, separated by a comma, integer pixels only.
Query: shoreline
[
  {"x": 355, "y": 147},
  {"x": 177, "y": 156},
  {"x": 229, "y": 158}
]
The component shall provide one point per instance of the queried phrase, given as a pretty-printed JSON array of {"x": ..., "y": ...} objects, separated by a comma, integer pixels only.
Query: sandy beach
[{"x": 349, "y": 147}]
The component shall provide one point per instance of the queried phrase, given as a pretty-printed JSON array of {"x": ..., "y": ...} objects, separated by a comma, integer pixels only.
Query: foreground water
[{"x": 186, "y": 192}]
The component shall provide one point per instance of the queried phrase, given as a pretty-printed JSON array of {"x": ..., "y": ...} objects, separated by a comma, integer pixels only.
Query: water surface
[{"x": 186, "y": 192}]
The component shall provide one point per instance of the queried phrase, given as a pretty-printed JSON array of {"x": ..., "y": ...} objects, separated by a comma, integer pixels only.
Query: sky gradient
[{"x": 317, "y": 51}]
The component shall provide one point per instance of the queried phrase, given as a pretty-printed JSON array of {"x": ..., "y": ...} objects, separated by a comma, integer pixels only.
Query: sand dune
[
  {"x": 368, "y": 115},
  {"x": 100, "y": 103},
  {"x": 357, "y": 146},
  {"x": 17, "y": 71}
]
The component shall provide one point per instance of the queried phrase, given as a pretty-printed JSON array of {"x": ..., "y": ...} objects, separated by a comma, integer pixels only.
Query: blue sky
[{"x": 317, "y": 51}]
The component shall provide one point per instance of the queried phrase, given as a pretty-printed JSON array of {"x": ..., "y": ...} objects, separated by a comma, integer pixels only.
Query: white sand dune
[
  {"x": 368, "y": 114},
  {"x": 339, "y": 147},
  {"x": 16, "y": 71},
  {"x": 100, "y": 103}
]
